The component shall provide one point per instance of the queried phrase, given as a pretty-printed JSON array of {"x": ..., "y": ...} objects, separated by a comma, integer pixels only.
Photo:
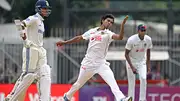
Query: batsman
[{"x": 35, "y": 65}]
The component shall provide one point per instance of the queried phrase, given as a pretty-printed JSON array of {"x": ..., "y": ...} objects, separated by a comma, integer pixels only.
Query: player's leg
[
  {"x": 9, "y": 96},
  {"x": 44, "y": 73},
  {"x": 19, "y": 79},
  {"x": 29, "y": 61},
  {"x": 131, "y": 81},
  {"x": 26, "y": 81},
  {"x": 84, "y": 75},
  {"x": 143, "y": 82},
  {"x": 44, "y": 83},
  {"x": 22, "y": 96},
  {"x": 106, "y": 73}
]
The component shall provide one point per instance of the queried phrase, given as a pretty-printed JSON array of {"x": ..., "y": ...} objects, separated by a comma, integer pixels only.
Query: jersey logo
[
  {"x": 92, "y": 39},
  {"x": 145, "y": 44},
  {"x": 140, "y": 50},
  {"x": 27, "y": 19},
  {"x": 83, "y": 67},
  {"x": 102, "y": 33},
  {"x": 40, "y": 31},
  {"x": 135, "y": 45},
  {"x": 35, "y": 16},
  {"x": 96, "y": 38}
]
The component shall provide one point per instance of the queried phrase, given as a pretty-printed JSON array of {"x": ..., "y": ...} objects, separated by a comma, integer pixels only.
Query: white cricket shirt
[
  {"x": 138, "y": 47},
  {"x": 35, "y": 29},
  {"x": 99, "y": 41}
]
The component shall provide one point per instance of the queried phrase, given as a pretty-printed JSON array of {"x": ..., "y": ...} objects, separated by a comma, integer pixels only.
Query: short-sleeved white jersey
[
  {"x": 99, "y": 41},
  {"x": 138, "y": 47},
  {"x": 35, "y": 29}
]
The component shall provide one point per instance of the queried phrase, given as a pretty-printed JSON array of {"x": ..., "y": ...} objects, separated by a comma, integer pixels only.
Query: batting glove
[
  {"x": 21, "y": 33},
  {"x": 27, "y": 43}
]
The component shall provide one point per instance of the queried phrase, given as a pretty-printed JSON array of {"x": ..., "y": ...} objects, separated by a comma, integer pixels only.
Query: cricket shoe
[
  {"x": 65, "y": 98},
  {"x": 8, "y": 97},
  {"x": 127, "y": 99}
]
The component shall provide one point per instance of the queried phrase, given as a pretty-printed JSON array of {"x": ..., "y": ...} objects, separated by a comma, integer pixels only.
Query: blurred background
[{"x": 73, "y": 17}]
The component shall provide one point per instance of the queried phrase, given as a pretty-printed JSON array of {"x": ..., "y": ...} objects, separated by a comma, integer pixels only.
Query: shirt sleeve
[
  {"x": 87, "y": 34},
  {"x": 28, "y": 21},
  {"x": 129, "y": 44},
  {"x": 110, "y": 36},
  {"x": 150, "y": 44}
]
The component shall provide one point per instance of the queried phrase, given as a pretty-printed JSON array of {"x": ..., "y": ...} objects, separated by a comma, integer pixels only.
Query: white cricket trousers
[
  {"x": 34, "y": 68},
  {"x": 142, "y": 71},
  {"x": 104, "y": 71}
]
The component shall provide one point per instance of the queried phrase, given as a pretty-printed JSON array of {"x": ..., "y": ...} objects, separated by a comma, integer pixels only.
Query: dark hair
[{"x": 107, "y": 16}]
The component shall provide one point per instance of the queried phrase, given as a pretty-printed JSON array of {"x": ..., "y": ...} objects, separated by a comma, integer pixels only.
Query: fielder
[
  {"x": 34, "y": 55},
  {"x": 136, "y": 62},
  {"x": 94, "y": 60}
]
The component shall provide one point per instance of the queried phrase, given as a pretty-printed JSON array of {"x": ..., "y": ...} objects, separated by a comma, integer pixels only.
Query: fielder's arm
[
  {"x": 148, "y": 55},
  {"x": 128, "y": 58},
  {"x": 129, "y": 61},
  {"x": 121, "y": 34}
]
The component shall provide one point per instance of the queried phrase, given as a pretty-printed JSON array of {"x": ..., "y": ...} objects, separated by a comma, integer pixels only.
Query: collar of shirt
[
  {"x": 102, "y": 31},
  {"x": 98, "y": 29},
  {"x": 140, "y": 39},
  {"x": 39, "y": 16}
]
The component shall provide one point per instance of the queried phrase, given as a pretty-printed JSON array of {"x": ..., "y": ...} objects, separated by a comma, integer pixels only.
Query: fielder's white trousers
[
  {"x": 142, "y": 71},
  {"x": 104, "y": 71},
  {"x": 34, "y": 68}
]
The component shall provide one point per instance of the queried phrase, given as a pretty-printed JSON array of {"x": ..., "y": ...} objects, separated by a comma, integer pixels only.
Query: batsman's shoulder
[
  {"x": 33, "y": 17},
  {"x": 30, "y": 18}
]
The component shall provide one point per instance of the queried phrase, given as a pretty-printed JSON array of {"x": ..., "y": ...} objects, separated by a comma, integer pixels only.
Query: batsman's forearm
[
  {"x": 74, "y": 40},
  {"x": 128, "y": 60}
]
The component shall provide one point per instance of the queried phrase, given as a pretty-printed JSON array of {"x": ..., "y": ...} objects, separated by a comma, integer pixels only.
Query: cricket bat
[
  {"x": 18, "y": 24},
  {"x": 19, "y": 28}
]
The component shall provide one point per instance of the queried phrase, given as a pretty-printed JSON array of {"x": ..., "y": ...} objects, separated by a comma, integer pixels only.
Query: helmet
[
  {"x": 141, "y": 27},
  {"x": 42, "y": 4}
]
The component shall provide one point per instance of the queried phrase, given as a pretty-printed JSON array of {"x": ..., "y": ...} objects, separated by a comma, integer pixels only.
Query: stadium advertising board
[
  {"x": 103, "y": 93},
  {"x": 56, "y": 94}
]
